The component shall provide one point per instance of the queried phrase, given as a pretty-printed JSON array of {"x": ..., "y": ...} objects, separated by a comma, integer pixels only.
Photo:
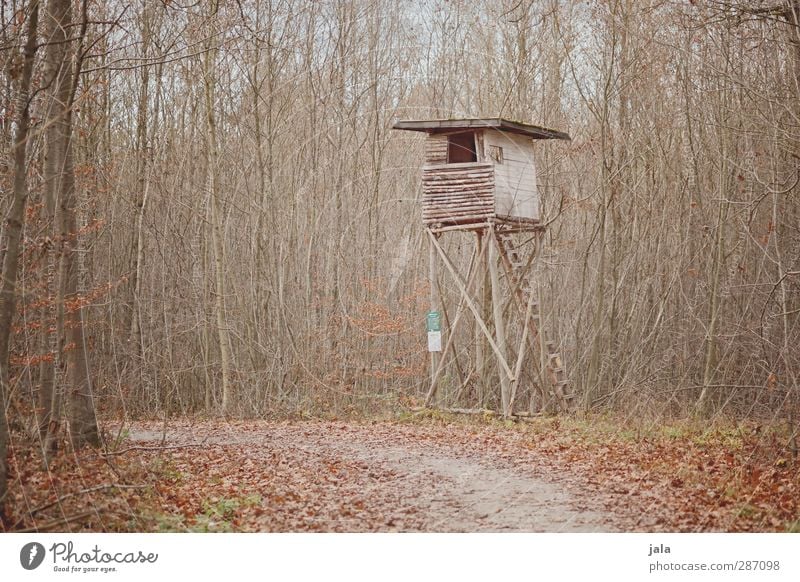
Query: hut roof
[{"x": 448, "y": 125}]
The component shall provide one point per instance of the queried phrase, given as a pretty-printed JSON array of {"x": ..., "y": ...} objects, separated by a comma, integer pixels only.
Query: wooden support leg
[
  {"x": 480, "y": 342},
  {"x": 434, "y": 304},
  {"x": 499, "y": 324}
]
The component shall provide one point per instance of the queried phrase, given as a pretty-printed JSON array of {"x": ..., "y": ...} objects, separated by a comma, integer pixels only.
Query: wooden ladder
[{"x": 517, "y": 268}]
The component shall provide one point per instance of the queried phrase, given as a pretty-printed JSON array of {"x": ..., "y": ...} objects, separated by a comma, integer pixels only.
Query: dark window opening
[{"x": 461, "y": 148}]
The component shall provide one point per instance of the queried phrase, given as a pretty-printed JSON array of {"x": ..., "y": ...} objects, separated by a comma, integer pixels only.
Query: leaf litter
[{"x": 428, "y": 475}]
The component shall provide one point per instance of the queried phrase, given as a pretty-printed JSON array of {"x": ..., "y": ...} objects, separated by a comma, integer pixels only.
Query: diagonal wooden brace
[
  {"x": 471, "y": 304},
  {"x": 474, "y": 262}
]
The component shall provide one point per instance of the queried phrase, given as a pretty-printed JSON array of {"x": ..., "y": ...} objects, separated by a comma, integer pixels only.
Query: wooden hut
[
  {"x": 479, "y": 170},
  {"x": 480, "y": 177}
]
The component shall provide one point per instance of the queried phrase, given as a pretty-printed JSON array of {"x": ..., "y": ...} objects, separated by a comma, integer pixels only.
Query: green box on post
[{"x": 433, "y": 321}]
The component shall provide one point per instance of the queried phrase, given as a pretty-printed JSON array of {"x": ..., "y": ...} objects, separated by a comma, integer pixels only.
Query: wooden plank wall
[
  {"x": 457, "y": 193},
  {"x": 436, "y": 150},
  {"x": 515, "y": 177}
]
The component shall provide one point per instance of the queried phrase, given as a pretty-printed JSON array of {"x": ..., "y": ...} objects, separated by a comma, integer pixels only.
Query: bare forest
[{"x": 215, "y": 272}]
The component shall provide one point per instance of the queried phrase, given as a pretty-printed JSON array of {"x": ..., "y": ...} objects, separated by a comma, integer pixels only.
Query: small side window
[{"x": 496, "y": 154}]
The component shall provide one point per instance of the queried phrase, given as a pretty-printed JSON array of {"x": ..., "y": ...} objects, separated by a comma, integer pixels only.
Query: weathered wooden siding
[
  {"x": 515, "y": 178},
  {"x": 457, "y": 193},
  {"x": 436, "y": 149}
]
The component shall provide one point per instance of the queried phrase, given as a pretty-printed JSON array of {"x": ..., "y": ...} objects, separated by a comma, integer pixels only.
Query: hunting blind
[{"x": 480, "y": 177}]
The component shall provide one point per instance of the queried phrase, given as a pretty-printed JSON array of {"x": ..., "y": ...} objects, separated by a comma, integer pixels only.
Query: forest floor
[{"x": 426, "y": 473}]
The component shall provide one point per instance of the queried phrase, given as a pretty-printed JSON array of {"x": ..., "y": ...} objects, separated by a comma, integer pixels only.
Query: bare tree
[
  {"x": 213, "y": 162},
  {"x": 13, "y": 234},
  {"x": 68, "y": 344}
]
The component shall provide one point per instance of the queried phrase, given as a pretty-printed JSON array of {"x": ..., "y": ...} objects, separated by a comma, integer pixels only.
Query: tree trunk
[
  {"x": 212, "y": 153},
  {"x": 13, "y": 233},
  {"x": 57, "y": 17},
  {"x": 142, "y": 184},
  {"x": 710, "y": 365},
  {"x": 81, "y": 413}
]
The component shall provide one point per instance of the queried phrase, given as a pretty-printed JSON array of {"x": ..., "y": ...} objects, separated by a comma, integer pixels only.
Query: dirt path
[
  {"x": 460, "y": 494},
  {"x": 342, "y": 477}
]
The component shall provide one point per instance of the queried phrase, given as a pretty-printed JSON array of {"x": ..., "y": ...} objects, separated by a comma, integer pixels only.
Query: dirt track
[{"x": 342, "y": 477}]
